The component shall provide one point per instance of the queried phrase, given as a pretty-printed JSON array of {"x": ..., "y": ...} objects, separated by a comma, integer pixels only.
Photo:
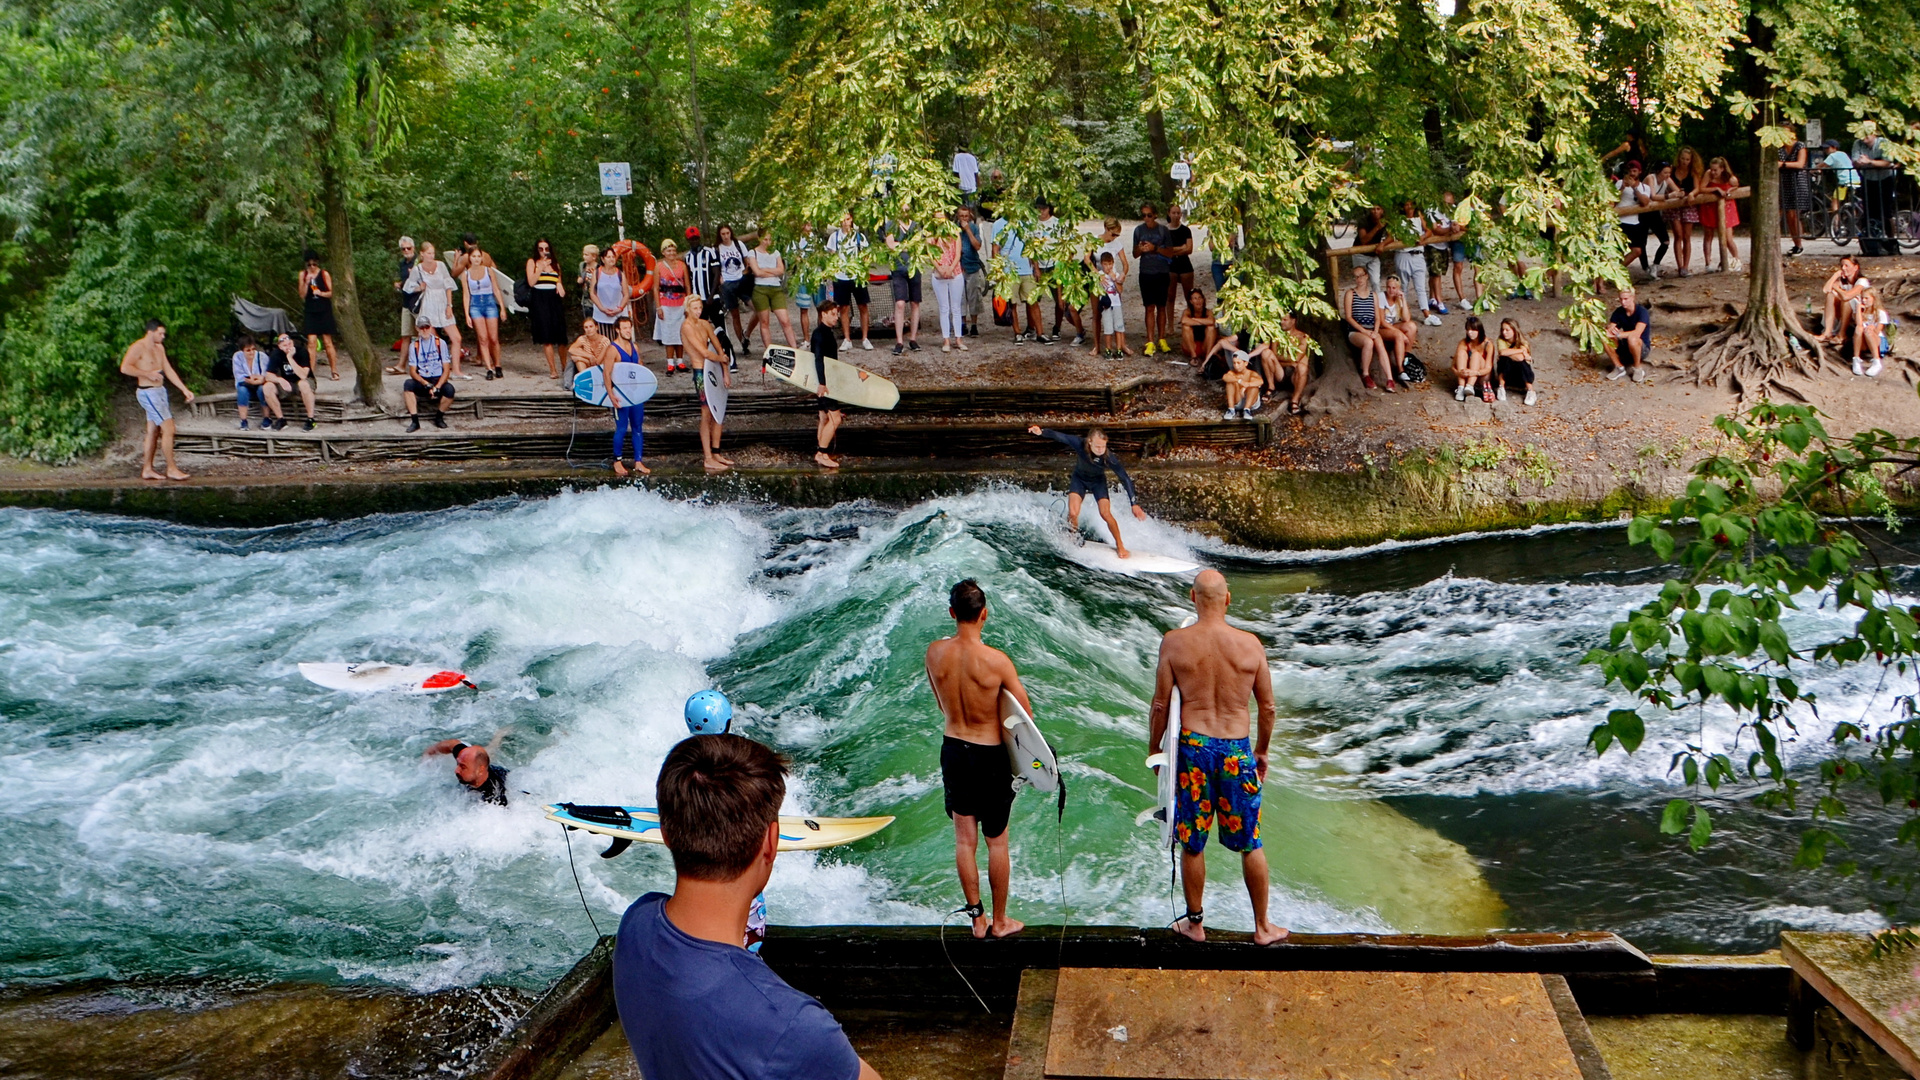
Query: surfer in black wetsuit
[
  {"x": 474, "y": 767},
  {"x": 1092, "y": 460}
]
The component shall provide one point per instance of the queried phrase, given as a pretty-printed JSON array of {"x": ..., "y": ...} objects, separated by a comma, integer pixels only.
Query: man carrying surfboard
[
  {"x": 474, "y": 767},
  {"x": 1091, "y": 462},
  {"x": 1215, "y": 667},
  {"x": 968, "y": 676}
]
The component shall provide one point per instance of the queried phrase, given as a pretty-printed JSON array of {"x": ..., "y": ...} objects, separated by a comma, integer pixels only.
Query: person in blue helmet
[{"x": 708, "y": 712}]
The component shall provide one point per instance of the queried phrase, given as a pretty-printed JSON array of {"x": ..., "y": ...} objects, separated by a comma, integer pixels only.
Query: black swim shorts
[
  {"x": 847, "y": 292},
  {"x": 1095, "y": 488},
  {"x": 979, "y": 783}
]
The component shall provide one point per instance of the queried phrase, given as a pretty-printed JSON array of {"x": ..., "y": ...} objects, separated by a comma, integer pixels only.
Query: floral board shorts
[{"x": 1218, "y": 780}]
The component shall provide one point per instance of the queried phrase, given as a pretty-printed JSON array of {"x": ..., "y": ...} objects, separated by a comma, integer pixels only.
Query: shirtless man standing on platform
[
  {"x": 1215, "y": 668},
  {"x": 146, "y": 361},
  {"x": 967, "y": 676}
]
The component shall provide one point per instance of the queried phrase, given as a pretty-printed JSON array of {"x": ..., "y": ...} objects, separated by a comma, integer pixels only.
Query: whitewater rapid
[{"x": 181, "y": 802}]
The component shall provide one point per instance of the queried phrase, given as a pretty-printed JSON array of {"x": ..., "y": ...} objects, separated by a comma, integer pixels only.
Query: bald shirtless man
[
  {"x": 967, "y": 676},
  {"x": 1216, "y": 668},
  {"x": 146, "y": 361},
  {"x": 473, "y": 766}
]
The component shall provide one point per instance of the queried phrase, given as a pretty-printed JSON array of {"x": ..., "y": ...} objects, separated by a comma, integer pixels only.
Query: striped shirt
[
  {"x": 703, "y": 273},
  {"x": 1363, "y": 309}
]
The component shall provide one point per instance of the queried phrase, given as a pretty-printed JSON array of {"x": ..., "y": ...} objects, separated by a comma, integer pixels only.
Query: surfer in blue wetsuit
[
  {"x": 1092, "y": 460},
  {"x": 474, "y": 767},
  {"x": 708, "y": 712}
]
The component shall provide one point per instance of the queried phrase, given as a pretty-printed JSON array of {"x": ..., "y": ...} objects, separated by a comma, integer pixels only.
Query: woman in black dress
[
  {"x": 546, "y": 311},
  {"x": 1796, "y": 186},
  {"x": 316, "y": 295}
]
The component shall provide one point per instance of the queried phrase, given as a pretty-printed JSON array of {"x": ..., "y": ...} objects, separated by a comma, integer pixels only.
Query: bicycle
[{"x": 1841, "y": 226}]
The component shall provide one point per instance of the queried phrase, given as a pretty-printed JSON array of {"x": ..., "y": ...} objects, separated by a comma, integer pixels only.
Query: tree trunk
[
  {"x": 699, "y": 128},
  {"x": 1767, "y": 342},
  {"x": 1156, "y": 121},
  {"x": 353, "y": 337}
]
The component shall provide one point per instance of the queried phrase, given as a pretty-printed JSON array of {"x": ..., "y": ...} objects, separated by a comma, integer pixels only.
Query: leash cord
[
  {"x": 956, "y": 967},
  {"x": 576, "y": 883}
]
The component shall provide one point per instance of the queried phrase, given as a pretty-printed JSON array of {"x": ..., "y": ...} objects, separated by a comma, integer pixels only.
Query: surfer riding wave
[{"x": 1092, "y": 459}]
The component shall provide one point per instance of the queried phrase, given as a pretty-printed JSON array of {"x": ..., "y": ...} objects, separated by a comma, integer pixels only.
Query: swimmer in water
[
  {"x": 474, "y": 766},
  {"x": 709, "y": 712},
  {"x": 1092, "y": 460}
]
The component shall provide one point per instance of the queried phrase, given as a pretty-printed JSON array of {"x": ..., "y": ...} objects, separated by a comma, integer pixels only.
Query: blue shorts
[
  {"x": 1219, "y": 781},
  {"x": 244, "y": 395},
  {"x": 485, "y": 307},
  {"x": 815, "y": 297},
  {"x": 1457, "y": 249},
  {"x": 153, "y": 399}
]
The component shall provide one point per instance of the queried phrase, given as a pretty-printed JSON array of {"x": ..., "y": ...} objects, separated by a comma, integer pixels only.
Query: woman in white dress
[{"x": 434, "y": 282}]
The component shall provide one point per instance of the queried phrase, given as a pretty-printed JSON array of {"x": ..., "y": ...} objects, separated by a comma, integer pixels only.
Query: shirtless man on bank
[
  {"x": 1216, "y": 668},
  {"x": 967, "y": 676},
  {"x": 146, "y": 361}
]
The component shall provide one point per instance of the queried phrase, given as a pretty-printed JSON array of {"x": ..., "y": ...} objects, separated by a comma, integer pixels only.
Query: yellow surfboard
[{"x": 642, "y": 823}]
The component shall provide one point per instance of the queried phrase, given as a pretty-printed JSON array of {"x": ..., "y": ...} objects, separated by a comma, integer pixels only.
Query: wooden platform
[
  {"x": 1134, "y": 1024},
  {"x": 1879, "y": 995}
]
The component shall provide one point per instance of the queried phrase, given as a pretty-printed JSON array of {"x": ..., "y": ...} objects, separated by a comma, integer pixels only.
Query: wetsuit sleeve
[
  {"x": 1119, "y": 470},
  {"x": 819, "y": 369},
  {"x": 1072, "y": 441}
]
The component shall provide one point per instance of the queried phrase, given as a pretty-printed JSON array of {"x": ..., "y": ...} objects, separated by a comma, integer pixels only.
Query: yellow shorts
[{"x": 1024, "y": 290}]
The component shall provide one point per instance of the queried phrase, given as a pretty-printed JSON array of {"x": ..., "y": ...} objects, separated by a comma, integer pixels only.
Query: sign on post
[
  {"x": 1182, "y": 172},
  {"x": 616, "y": 179}
]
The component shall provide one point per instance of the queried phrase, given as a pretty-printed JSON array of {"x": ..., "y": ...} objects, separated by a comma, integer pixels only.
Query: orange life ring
[{"x": 630, "y": 265}]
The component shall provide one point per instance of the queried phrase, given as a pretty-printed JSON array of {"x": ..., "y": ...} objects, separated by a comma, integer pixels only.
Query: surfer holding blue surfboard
[
  {"x": 1220, "y": 769},
  {"x": 968, "y": 677},
  {"x": 1092, "y": 459}
]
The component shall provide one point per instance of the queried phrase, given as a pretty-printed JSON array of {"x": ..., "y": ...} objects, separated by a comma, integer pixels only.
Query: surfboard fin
[{"x": 620, "y": 844}]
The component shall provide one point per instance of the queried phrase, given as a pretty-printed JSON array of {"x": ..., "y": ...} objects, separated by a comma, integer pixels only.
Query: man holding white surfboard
[
  {"x": 968, "y": 677},
  {"x": 1211, "y": 669}
]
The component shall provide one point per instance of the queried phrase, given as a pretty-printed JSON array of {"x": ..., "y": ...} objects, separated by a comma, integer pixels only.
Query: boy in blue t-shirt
[
  {"x": 1843, "y": 175},
  {"x": 708, "y": 712}
]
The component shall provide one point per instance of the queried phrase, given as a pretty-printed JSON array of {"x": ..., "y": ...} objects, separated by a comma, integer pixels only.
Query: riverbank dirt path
[{"x": 1583, "y": 423}]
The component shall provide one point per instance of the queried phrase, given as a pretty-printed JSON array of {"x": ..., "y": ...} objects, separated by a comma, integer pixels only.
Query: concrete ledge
[{"x": 562, "y": 1024}]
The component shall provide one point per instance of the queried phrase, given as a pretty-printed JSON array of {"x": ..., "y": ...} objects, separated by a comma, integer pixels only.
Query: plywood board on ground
[
  {"x": 1880, "y": 994},
  {"x": 1280, "y": 1025}
]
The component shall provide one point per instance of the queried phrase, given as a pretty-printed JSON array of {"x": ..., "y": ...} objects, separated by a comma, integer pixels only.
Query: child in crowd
[
  {"x": 1243, "y": 387},
  {"x": 1198, "y": 330},
  {"x": 1111, "y": 339},
  {"x": 1843, "y": 175},
  {"x": 1870, "y": 335}
]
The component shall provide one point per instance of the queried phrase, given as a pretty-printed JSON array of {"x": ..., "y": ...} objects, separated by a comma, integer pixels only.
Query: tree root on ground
[{"x": 1754, "y": 355}]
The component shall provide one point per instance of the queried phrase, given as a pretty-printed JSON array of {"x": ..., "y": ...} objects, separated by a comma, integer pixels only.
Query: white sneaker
[
  {"x": 1653, "y": 273},
  {"x": 1857, "y": 368},
  {"x": 1460, "y": 392},
  {"x": 1230, "y": 414},
  {"x": 1875, "y": 368},
  {"x": 1531, "y": 398},
  {"x": 1639, "y": 374},
  {"x": 1733, "y": 266},
  {"x": 1616, "y": 374},
  {"x": 867, "y": 345},
  {"x": 1500, "y": 394},
  {"x": 1433, "y": 320}
]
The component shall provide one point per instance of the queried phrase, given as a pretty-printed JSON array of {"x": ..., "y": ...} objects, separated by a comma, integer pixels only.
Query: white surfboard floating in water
[
  {"x": 852, "y": 385},
  {"x": 634, "y": 382},
  {"x": 373, "y": 676},
  {"x": 1028, "y": 753},
  {"x": 625, "y": 824},
  {"x": 1100, "y": 555}
]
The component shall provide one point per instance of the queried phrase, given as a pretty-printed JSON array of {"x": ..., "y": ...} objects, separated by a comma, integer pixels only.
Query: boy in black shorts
[{"x": 825, "y": 345}]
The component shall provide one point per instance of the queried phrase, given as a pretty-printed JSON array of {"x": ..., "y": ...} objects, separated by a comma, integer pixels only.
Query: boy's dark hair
[
  {"x": 469, "y": 238},
  {"x": 1106, "y": 256},
  {"x": 968, "y": 600},
  {"x": 154, "y": 324},
  {"x": 245, "y": 340},
  {"x": 717, "y": 795}
]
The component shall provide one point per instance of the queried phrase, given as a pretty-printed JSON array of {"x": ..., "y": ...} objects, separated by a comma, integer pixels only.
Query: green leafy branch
[{"x": 1771, "y": 525}]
